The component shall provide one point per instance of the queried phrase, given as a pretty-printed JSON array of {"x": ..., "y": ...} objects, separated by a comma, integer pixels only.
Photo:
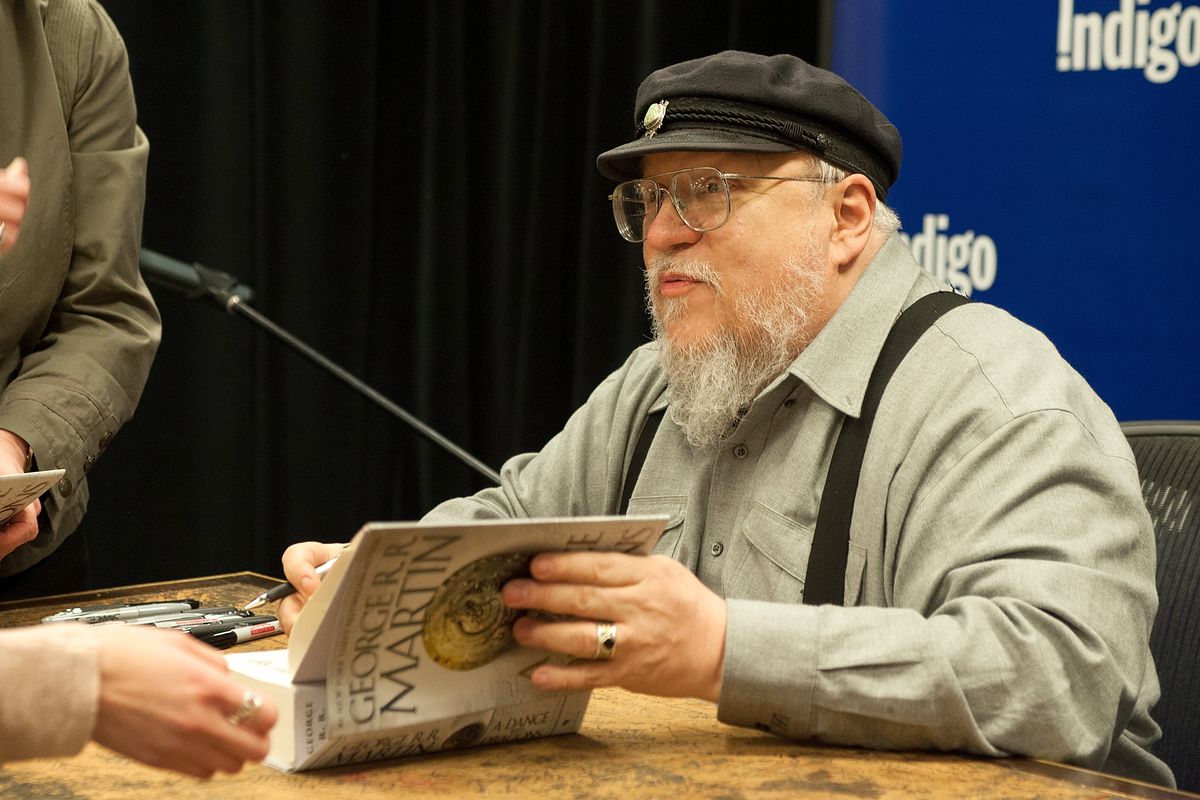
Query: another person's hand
[
  {"x": 23, "y": 526},
  {"x": 166, "y": 699},
  {"x": 300, "y": 562},
  {"x": 14, "y": 201},
  {"x": 670, "y": 628}
]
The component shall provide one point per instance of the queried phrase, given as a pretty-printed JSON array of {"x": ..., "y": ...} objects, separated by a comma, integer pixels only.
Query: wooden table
[{"x": 630, "y": 746}]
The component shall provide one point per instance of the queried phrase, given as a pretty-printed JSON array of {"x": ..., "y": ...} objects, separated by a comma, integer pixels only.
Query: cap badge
[{"x": 655, "y": 114}]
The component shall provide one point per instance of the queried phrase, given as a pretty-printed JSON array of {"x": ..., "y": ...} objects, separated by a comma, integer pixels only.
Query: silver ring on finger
[
  {"x": 251, "y": 703},
  {"x": 606, "y": 641}
]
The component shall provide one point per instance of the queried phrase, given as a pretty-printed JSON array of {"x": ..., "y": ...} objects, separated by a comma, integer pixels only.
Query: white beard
[{"x": 713, "y": 381}]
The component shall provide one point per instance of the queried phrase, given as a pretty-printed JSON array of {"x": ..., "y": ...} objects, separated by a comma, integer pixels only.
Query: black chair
[{"x": 1168, "y": 460}]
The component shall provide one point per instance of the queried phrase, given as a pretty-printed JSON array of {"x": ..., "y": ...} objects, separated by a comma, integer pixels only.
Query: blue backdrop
[{"x": 1051, "y": 168}]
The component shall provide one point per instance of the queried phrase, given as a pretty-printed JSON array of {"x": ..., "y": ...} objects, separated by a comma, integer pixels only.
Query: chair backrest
[{"x": 1168, "y": 460}]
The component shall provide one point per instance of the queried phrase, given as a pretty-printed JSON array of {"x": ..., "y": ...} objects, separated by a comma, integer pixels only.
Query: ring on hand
[
  {"x": 606, "y": 641},
  {"x": 251, "y": 702}
]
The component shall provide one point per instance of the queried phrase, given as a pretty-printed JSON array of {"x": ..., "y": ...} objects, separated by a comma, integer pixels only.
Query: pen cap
[{"x": 210, "y": 628}]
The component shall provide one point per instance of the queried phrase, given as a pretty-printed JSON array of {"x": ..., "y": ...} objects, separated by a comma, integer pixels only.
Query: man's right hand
[{"x": 300, "y": 562}]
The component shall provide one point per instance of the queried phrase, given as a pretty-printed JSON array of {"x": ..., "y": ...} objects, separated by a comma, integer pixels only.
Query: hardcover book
[{"x": 407, "y": 648}]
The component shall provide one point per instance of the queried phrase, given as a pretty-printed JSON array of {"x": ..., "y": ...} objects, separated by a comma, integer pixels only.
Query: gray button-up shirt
[{"x": 1000, "y": 586}]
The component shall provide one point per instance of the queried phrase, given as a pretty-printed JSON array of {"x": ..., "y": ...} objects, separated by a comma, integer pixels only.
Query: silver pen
[
  {"x": 169, "y": 620},
  {"x": 284, "y": 589},
  {"x": 122, "y": 612}
]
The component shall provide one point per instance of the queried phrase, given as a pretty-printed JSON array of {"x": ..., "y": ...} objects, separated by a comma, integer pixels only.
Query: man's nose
[{"x": 668, "y": 230}]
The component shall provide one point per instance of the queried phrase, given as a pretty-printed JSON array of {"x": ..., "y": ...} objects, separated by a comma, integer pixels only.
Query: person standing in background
[{"x": 78, "y": 327}]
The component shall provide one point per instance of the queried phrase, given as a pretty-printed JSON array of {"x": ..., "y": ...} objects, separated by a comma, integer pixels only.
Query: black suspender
[
  {"x": 825, "y": 578},
  {"x": 649, "y": 428},
  {"x": 824, "y": 582}
]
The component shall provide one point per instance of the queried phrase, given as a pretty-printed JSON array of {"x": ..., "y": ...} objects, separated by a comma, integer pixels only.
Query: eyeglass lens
[{"x": 700, "y": 195}]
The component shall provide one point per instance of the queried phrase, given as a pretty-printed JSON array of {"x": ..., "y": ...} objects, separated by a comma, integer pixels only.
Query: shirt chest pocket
[
  {"x": 672, "y": 507},
  {"x": 773, "y": 558}
]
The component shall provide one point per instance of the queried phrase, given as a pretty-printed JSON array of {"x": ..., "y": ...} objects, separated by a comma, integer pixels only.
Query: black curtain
[{"x": 410, "y": 188}]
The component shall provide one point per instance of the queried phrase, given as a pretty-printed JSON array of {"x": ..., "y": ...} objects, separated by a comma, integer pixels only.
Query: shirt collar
[{"x": 837, "y": 363}]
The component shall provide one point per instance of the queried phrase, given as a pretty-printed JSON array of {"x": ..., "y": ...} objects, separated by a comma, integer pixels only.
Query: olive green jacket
[{"x": 78, "y": 327}]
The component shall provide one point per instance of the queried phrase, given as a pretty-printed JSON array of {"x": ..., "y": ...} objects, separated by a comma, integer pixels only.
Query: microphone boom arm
[
  {"x": 199, "y": 282},
  {"x": 235, "y": 305}
]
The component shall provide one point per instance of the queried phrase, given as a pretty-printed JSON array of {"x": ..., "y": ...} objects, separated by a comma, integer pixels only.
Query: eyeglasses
[{"x": 701, "y": 195}]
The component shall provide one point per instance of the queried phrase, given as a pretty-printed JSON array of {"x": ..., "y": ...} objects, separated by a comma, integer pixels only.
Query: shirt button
[
  {"x": 741, "y": 451},
  {"x": 88, "y": 463},
  {"x": 716, "y": 549},
  {"x": 105, "y": 439},
  {"x": 65, "y": 488}
]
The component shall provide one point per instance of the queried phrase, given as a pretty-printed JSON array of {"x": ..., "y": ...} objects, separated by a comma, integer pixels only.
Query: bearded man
[{"x": 996, "y": 591}]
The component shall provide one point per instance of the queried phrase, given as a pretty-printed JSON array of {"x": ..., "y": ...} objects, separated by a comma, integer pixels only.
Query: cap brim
[{"x": 625, "y": 162}]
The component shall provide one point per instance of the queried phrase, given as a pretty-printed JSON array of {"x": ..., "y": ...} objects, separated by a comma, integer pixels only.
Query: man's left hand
[{"x": 670, "y": 628}]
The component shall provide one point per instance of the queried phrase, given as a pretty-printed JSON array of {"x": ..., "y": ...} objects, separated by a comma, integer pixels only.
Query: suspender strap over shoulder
[
  {"x": 649, "y": 428},
  {"x": 824, "y": 582}
]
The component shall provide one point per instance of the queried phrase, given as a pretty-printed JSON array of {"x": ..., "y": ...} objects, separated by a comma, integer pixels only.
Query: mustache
[{"x": 693, "y": 269}]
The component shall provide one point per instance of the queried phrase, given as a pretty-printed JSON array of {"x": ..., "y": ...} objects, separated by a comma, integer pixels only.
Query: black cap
[{"x": 745, "y": 102}]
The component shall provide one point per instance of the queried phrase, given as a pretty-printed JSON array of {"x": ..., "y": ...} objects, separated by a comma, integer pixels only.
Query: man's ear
[{"x": 854, "y": 215}]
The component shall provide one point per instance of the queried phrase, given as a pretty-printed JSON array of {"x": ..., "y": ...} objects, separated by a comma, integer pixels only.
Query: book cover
[{"x": 407, "y": 648}]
